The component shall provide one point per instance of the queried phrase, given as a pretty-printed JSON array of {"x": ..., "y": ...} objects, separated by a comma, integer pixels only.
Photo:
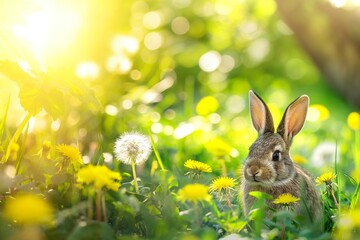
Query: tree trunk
[{"x": 331, "y": 37}]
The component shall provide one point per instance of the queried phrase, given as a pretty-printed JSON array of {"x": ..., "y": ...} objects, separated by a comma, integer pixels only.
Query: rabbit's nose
[{"x": 254, "y": 172}]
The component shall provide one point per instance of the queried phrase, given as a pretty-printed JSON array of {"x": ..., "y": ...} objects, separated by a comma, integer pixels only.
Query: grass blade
[
  {"x": 15, "y": 137},
  {"x": 157, "y": 155},
  {"x": 2, "y": 124}
]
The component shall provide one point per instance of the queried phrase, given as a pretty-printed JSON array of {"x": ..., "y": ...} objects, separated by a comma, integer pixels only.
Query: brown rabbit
[{"x": 269, "y": 167}]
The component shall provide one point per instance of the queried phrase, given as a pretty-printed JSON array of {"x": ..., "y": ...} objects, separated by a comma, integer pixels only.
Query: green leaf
[
  {"x": 14, "y": 72},
  {"x": 260, "y": 195},
  {"x": 92, "y": 231},
  {"x": 59, "y": 178},
  {"x": 81, "y": 91},
  {"x": 166, "y": 178},
  {"x": 47, "y": 90}
]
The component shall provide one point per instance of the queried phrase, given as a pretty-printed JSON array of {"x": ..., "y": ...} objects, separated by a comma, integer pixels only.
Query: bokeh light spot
[
  {"x": 214, "y": 118},
  {"x": 122, "y": 44},
  {"x": 181, "y": 3},
  {"x": 227, "y": 63},
  {"x": 338, "y": 3},
  {"x": 180, "y": 25},
  {"x": 88, "y": 70},
  {"x": 135, "y": 74},
  {"x": 156, "y": 127},
  {"x": 86, "y": 159},
  {"x": 168, "y": 130},
  {"x": 317, "y": 112},
  {"x": 118, "y": 64},
  {"x": 108, "y": 157},
  {"x": 170, "y": 114},
  {"x": 153, "y": 41},
  {"x": 111, "y": 110},
  {"x": 127, "y": 104},
  {"x": 235, "y": 104},
  {"x": 55, "y": 125},
  {"x": 183, "y": 130},
  {"x": 258, "y": 50},
  {"x": 10, "y": 171},
  {"x": 152, "y": 20},
  {"x": 155, "y": 117},
  {"x": 210, "y": 61}
]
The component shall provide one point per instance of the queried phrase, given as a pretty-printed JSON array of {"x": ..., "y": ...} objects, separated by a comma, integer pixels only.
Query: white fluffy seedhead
[{"x": 132, "y": 147}]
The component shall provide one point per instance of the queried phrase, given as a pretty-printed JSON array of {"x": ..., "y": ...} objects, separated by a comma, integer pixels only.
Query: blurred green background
[
  {"x": 181, "y": 69},
  {"x": 82, "y": 73}
]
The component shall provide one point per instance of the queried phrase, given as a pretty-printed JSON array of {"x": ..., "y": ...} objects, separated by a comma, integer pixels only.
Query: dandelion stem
[
  {"x": 333, "y": 195},
  {"x": 196, "y": 213},
  {"x": 134, "y": 175},
  {"x": 223, "y": 168},
  {"x": 90, "y": 208},
  {"x": 104, "y": 207},
  {"x": 229, "y": 204},
  {"x": 98, "y": 205}
]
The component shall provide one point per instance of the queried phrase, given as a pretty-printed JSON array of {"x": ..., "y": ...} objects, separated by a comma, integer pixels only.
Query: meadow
[{"x": 130, "y": 120}]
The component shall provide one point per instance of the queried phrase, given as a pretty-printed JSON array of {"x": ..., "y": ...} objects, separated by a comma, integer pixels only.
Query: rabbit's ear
[
  {"x": 260, "y": 114},
  {"x": 294, "y": 118}
]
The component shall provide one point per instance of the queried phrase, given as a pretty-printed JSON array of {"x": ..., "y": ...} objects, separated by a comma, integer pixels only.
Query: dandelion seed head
[
  {"x": 324, "y": 154},
  {"x": 132, "y": 147}
]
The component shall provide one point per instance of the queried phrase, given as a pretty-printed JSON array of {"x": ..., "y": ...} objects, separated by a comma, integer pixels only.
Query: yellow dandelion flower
[
  {"x": 286, "y": 199},
  {"x": 325, "y": 178},
  {"x": 207, "y": 105},
  {"x": 99, "y": 177},
  {"x": 29, "y": 209},
  {"x": 194, "y": 193},
  {"x": 299, "y": 159},
  {"x": 353, "y": 120},
  {"x": 197, "y": 166},
  {"x": 71, "y": 155},
  {"x": 222, "y": 184},
  {"x": 218, "y": 147}
]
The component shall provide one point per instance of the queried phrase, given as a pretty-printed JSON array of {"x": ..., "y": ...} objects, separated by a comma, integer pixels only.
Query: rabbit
[{"x": 269, "y": 167}]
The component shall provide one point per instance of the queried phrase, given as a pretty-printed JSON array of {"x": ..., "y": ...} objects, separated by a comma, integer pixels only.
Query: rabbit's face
[{"x": 268, "y": 163}]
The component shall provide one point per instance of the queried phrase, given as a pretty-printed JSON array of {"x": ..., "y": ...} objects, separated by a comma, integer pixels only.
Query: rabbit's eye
[{"x": 276, "y": 155}]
